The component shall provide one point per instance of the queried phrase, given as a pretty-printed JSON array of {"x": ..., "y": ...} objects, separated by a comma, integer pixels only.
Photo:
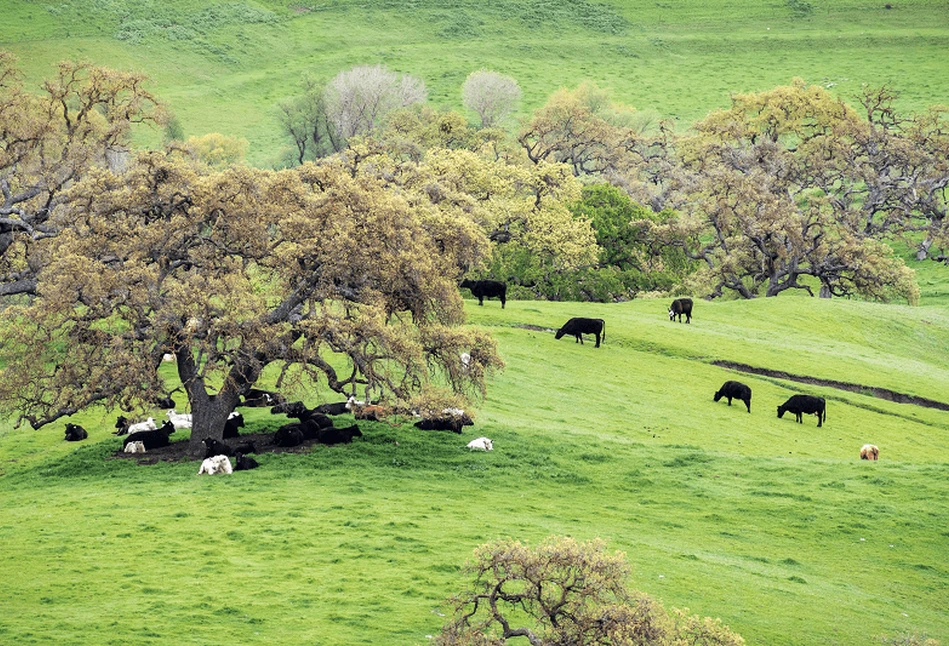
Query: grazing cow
[
  {"x": 735, "y": 390},
  {"x": 482, "y": 289},
  {"x": 152, "y": 439},
  {"x": 288, "y": 436},
  {"x": 75, "y": 433},
  {"x": 245, "y": 463},
  {"x": 214, "y": 447},
  {"x": 578, "y": 326},
  {"x": 234, "y": 422},
  {"x": 804, "y": 404},
  {"x": 216, "y": 464},
  {"x": 338, "y": 435},
  {"x": 481, "y": 444},
  {"x": 679, "y": 307},
  {"x": 869, "y": 452},
  {"x": 134, "y": 447}
]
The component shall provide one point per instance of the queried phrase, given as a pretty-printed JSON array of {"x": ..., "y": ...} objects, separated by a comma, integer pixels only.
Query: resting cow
[
  {"x": 75, "y": 433},
  {"x": 579, "y": 326},
  {"x": 152, "y": 439},
  {"x": 735, "y": 390},
  {"x": 804, "y": 404},
  {"x": 216, "y": 464},
  {"x": 869, "y": 452},
  {"x": 679, "y": 307},
  {"x": 245, "y": 463},
  {"x": 482, "y": 289}
]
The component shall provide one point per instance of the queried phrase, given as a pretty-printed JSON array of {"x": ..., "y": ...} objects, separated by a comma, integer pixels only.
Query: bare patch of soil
[{"x": 881, "y": 393}]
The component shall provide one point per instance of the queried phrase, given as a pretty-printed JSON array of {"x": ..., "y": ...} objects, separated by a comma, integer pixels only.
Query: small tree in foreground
[{"x": 565, "y": 592}]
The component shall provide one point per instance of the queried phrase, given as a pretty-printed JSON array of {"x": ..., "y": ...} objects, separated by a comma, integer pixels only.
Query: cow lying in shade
[
  {"x": 579, "y": 326},
  {"x": 804, "y": 405},
  {"x": 75, "y": 433}
]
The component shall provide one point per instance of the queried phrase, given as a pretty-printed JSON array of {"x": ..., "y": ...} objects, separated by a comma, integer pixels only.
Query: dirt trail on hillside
[{"x": 882, "y": 393}]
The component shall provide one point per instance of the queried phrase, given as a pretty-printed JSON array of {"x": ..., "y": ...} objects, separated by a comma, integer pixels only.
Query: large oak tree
[{"x": 321, "y": 268}]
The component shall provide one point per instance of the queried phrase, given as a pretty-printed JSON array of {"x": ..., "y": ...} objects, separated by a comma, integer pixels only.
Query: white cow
[
  {"x": 135, "y": 447},
  {"x": 147, "y": 425},
  {"x": 481, "y": 444},
  {"x": 216, "y": 464},
  {"x": 180, "y": 420}
]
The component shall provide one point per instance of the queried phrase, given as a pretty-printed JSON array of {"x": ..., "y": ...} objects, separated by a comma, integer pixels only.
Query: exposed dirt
[
  {"x": 882, "y": 393},
  {"x": 178, "y": 451}
]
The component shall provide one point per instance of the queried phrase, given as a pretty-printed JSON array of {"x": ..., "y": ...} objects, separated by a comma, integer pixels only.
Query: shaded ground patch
[
  {"x": 881, "y": 393},
  {"x": 178, "y": 451}
]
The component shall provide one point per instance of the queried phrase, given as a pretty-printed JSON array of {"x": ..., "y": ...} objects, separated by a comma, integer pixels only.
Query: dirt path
[{"x": 882, "y": 393}]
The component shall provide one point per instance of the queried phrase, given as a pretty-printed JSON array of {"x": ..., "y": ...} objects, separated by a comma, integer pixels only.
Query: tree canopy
[
  {"x": 566, "y": 592},
  {"x": 49, "y": 141},
  {"x": 234, "y": 270}
]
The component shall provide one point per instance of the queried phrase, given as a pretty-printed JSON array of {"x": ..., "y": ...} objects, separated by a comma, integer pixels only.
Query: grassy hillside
[
  {"x": 775, "y": 527},
  {"x": 222, "y": 66}
]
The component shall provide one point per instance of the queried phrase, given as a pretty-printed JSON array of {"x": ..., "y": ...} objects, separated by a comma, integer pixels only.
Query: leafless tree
[
  {"x": 356, "y": 101},
  {"x": 491, "y": 95}
]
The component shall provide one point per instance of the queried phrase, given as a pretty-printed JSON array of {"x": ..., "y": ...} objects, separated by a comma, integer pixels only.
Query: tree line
[{"x": 791, "y": 188}]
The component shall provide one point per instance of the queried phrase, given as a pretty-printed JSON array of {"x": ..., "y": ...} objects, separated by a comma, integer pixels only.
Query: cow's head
[{"x": 672, "y": 314}]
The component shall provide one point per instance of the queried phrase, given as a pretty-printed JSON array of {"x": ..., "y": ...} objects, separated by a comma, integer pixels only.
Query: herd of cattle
[
  {"x": 798, "y": 404},
  {"x": 317, "y": 425}
]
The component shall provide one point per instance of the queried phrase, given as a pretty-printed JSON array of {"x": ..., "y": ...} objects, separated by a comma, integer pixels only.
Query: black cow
[
  {"x": 214, "y": 447},
  {"x": 121, "y": 425},
  {"x": 165, "y": 403},
  {"x": 245, "y": 463},
  {"x": 679, "y": 307},
  {"x": 287, "y": 436},
  {"x": 255, "y": 397},
  {"x": 337, "y": 408},
  {"x": 801, "y": 404},
  {"x": 75, "y": 433},
  {"x": 579, "y": 326},
  {"x": 482, "y": 289},
  {"x": 735, "y": 390},
  {"x": 445, "y": 422},
  {"x": 231, "y": 426},
  {"x": 248, "y": 446},
  {"x": 338, "y": 435},
  {"x": 152, "y": 439}
]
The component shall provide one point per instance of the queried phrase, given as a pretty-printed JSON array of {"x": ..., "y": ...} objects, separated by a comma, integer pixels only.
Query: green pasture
[
  {"x": 775, "y": 527},
  {"x": 223, "y": 66}
]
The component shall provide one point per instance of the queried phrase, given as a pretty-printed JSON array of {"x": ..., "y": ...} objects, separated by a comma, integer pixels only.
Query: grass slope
[
  {"x": 223, "y": 66},
  {"x": 775, "y": 527}
]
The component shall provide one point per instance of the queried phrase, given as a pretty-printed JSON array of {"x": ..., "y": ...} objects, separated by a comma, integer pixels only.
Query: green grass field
[
  {"x": 775, "y": 527},
  {"x": 222, "y": 67}
]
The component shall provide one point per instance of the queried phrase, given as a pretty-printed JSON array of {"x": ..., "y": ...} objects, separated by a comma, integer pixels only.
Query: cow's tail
[{"x": 603, "y": 336}]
